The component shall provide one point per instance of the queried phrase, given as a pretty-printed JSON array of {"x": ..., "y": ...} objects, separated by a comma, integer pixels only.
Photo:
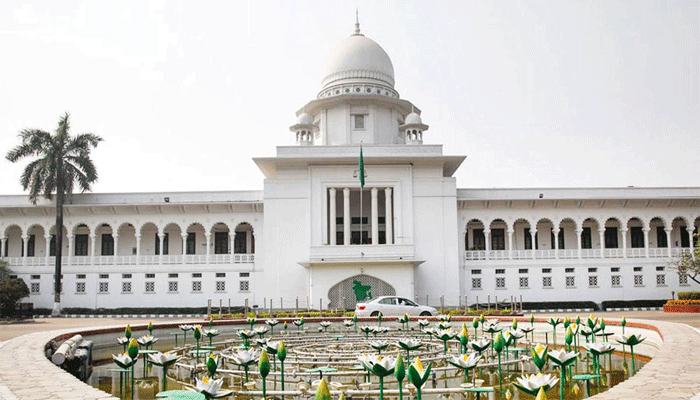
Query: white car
[{"x": 392, "y": 306}]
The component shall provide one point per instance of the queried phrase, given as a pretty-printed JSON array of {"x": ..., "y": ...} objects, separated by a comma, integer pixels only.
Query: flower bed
[{"x": 682, "y": 306}]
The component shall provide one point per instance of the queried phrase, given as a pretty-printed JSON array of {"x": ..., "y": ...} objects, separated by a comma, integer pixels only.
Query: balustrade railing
[{"x": 480, "y": 255}]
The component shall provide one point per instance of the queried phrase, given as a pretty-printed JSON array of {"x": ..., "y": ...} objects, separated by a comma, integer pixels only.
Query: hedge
[
  {"x": 688, "y": 295},
  {"x": 608, "y": 304},
  {"x": 559, "y": 305}
]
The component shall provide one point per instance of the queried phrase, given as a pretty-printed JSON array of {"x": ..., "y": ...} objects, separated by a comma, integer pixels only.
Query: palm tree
[{"x": 59, "y": 162}]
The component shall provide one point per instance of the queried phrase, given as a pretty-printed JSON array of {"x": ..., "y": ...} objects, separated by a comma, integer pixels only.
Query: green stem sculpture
[{"x": 281, "y": 355}]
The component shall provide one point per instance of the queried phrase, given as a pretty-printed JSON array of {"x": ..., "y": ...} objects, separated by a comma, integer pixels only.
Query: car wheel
[
  {"x": 426, "y": 314},
  {"x": 374, "y": 314}
]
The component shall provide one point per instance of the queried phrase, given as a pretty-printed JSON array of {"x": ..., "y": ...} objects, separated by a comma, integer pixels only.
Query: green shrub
[
  {"x": 505, "y": 312},
  {"x": 282, "y": 314},
  {"x": 608, "y": 304},
  {"x": 11, "y": 292},
  {"x": 688, "y": 295}
]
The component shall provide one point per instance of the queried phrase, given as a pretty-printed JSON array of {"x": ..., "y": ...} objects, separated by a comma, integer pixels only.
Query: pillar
[
  {"x": 208, "y": 236},
  {"x": 375, "y": 217},
  {"x": 668, "y": 241},
  {"x": 71, "y": 247},
  {"x": 487, "y": 242},
  {"x": 346, "y": 216},
  {"x": 555, "y": 245},
  {"x": 48, "y": 248},
  {"x": 184, "y": 246},
  {"x": 332, "y": 216},
  {"x": 93, "y": 246},
  {"x": 579, "y": 232},
  {"x": 116, "y": 246},
  {"x": 138, "y": 249},
  {"x": 624, "y": 242},
  {"x": 388, "y": 216},
  {"x": 601, "y": 236},
  {"x": 25, "y": 252},
  {"x": 510, "y": 244},
  {"x": 646, "y": 242},
  {"x": 533, "y": 233}
]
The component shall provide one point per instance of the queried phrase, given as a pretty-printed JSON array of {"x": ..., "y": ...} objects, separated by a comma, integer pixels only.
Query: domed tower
[
  {"x": 413, "y": 128},
  {"x": 304, "y": 129},
  {"x": 357, "y": 102}
]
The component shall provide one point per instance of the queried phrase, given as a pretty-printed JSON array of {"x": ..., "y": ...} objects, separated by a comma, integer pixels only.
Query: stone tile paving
[
  {"x": 26, "y": 373},
  {"x": 671, "y": 374}
]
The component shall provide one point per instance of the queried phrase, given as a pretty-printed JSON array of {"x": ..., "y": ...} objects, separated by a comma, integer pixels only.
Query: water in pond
[{"x": 338, "y": 351}]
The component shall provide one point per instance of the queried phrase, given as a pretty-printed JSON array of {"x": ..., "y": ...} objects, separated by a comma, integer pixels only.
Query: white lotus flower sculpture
[
  {"x": 409, "y": 345},
  {"x": 211, "y": 388},
  {"x": 147, "y": 341},
  {"x": 465, "y": 362},
  {"x": 163, "y": 360},
  {"x": 531, "y": 384},
  {"x": 123, "y": 361},
  {"x": 244, "y": 358},
  {"x": 563, "y": 360}
]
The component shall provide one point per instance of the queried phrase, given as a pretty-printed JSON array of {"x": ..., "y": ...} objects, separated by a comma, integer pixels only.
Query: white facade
[{"x": 312, "y": 236}]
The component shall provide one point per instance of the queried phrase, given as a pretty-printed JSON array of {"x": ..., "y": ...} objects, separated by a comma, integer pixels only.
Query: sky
[{"x": 185, "y": 94}]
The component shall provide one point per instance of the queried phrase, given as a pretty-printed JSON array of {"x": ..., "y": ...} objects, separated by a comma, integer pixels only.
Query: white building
[{"x": 304, "y": 236}]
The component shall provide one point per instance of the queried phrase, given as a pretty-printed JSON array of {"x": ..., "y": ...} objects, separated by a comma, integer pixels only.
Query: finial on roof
[{"x": 357, "y": 22}]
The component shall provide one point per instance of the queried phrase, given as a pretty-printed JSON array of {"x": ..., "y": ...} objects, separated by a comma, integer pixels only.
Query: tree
[
  {"x": 60, "y": 161},
  {"x": 11, "y": 292},
  {"x": 688, "y": 263}
]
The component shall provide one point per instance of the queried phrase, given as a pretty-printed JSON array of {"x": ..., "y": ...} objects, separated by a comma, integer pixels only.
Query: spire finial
[{"x": 357, "y": 22}]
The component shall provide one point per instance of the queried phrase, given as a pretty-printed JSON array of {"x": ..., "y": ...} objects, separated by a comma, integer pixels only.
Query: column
[
  {"x": 332, "y": 216},
  {"x": 346, "y": 216},
  {"x": 93, "y": 245},
  {"x": 533, "y": 233},
  {"x": 601, "y": 236},
  {"x": 71, "y": 248},
  {"x": 161, "y": 237},
  {"x": 116, "y": 247},
  {"x": 184, "y": 246},
  {"x": 48, "y": 248},
  {"x": 208, "y": 236},
  {"x": 624, "y": 242},
  {"x": 388, "y": 216},
  {"x": 646, "y": 242},
  {"x": 375, "y": 217},
  {"x": 668, "y": 241},
  {"x": 555, "y": 245},
  {"x": 579, "y": 232},
  {"x": 510, "y": 244},
  {"x": 487, "y": 241},
  {"x": 138, "y": 249},
  {"x": 25, "y": 253}
]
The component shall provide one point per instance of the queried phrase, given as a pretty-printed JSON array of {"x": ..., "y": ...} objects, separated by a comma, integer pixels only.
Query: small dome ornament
[
  {"x": 304, "y": 129},
  {"x": 413, "y": 127}
]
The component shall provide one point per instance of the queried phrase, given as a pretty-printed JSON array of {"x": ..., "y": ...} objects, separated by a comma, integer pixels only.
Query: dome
[
  {"x": 413, "y": 118},
  {"x": 358, "y": 60},
  {"x": 305, "y": 119}
]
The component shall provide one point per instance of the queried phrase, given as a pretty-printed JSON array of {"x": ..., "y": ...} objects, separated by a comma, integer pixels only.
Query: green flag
[{"x": 362, "y": 170}]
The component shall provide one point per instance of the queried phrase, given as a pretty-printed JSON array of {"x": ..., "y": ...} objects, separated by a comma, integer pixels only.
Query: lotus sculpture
[
  {"x": 211, "y": 333},
  {"x": 539, "y": 356},
  {"x": 554, "y": 321},
  {"x": 400, "y": 374},
  {"x": 533, "y": 384},
  {"x": 562, "y": 359},
  {"x": 251, "y": 322},
  {"x": 272, "y": 323},
  {"x": 480, "y": 345},
  {"x": 409, "y": 345},
  {"x": 379, "y": 345},
  {"x": 211, "y": 388},
  {"x": 465, "y": 362},
  {"x": 185, "y": 329},
  {"x": 264, "y": 370},
  {"x": 244, "y": 358},
  {"x": 147, "y": 341},
  {"x": 163, "y": 360},
  {"x": 631, "y": 341},
  {"x": 379, "y": 366},
  {"x": 325, "y": 325},
  {"x": 418, "y": 375},
  {"x": 445, "y": 335}
]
